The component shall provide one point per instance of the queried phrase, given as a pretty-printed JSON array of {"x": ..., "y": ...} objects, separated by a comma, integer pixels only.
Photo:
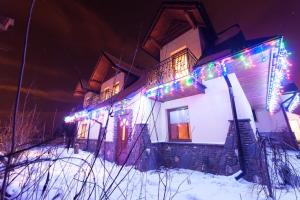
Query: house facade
[{"x": 199, "y": 108}]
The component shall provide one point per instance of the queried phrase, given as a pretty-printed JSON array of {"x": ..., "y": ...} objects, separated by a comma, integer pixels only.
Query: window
[
  {"x": 106, "y": 93},
  {"x": 83, "y": 131},
  {"x": 116, "y": 88},
  {"x": 178, "y": 122},
  {"x": 124, "y": 125}
]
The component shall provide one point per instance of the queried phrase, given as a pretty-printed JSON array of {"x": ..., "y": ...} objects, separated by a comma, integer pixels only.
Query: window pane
[
  {"x": 116, "y": 88},
  {"x": 179, "y": 116},
  {"x": 83, "y": 131},
  {"x": 179, "y": 124},
  {"x": 180, "y": 65}
]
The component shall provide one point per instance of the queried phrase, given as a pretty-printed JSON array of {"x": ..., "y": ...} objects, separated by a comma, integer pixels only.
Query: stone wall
[
  {"x": 211, "y": 158},
  {"x": 200, "y": 157}
]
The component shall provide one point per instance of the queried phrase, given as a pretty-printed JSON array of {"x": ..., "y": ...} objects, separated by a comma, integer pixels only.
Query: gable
[{"x": 174, "y": 19}]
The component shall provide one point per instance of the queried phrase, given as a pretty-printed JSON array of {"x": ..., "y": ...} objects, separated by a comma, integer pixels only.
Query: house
[{"x": 201, "y": 105}]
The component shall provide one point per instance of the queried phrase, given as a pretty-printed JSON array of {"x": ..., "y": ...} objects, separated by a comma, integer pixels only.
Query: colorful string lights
[
  {"x": 168, "y": 88},
  {"x": 93, "y": 113},
  {"x": 278, "y": 71}
]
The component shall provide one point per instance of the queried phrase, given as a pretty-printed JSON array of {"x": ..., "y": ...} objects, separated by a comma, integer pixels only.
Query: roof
[
  {"x": 106, "y": 67},
  {"x": 253, "y": 80},
  {"x": 174, "y": 19},
  {"x": 129, "y": 91},
  {"x": 229, "y": 41},
  {"x": 123, "y": 66}
]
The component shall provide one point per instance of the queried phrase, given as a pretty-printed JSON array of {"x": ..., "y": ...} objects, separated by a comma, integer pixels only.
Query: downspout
[{"x": 236, "y": 125}]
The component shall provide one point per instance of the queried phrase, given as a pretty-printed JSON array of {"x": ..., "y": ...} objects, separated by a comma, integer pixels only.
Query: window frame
[
  {"x": 114, "y": 87},
  {"x": 81, "y": 131},
  {"x": 107, "y": 94},
  {"x": 169, "y": 125}
]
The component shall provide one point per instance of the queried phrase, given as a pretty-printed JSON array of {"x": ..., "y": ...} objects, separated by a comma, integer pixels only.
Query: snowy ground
[{"x": 66, "y": 176}]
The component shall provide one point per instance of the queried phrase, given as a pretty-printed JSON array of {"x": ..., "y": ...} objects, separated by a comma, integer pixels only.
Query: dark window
[
  {"x": 254, "y": 115},
  {"x": 178, "y": 123}
]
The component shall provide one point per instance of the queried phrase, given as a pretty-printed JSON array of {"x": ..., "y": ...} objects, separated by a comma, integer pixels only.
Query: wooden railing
[{"x": 175, "y": 67}]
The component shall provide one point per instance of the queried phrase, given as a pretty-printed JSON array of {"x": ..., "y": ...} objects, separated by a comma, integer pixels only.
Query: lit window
[
  {"x": 83, "y": 131},
  {"x": 180, "y": 65},
  {"x": 179, "y": 124},
  {"x": 106, "y": 93},
  {"x": 116, "y": 88}
]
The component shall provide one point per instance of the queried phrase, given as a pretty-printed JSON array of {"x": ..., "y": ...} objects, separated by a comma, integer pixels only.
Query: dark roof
[
  {"x": 106, "y": 67},
  {"x": 122, "y": 65},
  {"x": 229, "y": 41}
]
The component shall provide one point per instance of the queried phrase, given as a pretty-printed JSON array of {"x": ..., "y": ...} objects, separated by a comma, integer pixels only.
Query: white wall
[
  {"x": 189, "y": 39},
  {"x": 267, "y": 122},
  {"x": 209, "y": 113},
  {"x": 109, "y": 83},
  {"x": 294, "y": 120}
]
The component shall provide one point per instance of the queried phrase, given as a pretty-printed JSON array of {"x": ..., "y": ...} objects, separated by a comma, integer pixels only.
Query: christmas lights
[
  {"x": 277, "y": 74},
  {"x": 95, "y": 113},
  {"x": 278, "y": 71},
  {"x": 168, "y": 88}
]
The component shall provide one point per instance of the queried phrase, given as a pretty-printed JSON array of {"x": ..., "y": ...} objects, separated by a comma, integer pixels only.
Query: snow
[{"x": 68, "y": 173}]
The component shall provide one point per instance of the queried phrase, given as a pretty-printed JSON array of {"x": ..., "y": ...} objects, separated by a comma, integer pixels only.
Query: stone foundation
[{"x": 211, "y": 158}]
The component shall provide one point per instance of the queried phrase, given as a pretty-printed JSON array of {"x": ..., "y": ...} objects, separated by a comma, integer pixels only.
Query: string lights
[
  {"x": 278, "y": 71},
  {"x": 93, "y": 113},
  {"x": 168, "y": 88}
]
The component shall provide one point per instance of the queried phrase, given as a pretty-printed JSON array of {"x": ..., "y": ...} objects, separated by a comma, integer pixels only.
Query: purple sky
[{"x": 70, "y": 34}]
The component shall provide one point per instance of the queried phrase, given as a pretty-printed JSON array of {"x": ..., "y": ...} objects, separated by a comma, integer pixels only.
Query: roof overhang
[
  {"x": 172, "y": 20},
  {"x": 260, "y": 69},
  {"x": 106, "y": 67}
]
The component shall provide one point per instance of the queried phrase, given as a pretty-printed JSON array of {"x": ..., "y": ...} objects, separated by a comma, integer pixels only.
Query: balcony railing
[
  {"x": 175, "y": 67},
  {"x": 95, "y": 99}
]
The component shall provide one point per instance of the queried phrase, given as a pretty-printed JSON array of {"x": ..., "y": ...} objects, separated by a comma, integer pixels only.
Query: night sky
[{"x": 67, "y": 37}]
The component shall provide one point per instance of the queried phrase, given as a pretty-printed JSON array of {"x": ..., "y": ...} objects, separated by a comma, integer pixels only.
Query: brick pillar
[
  {"x": 250, "y": 151},
  {"x": 230, "y": 162}
]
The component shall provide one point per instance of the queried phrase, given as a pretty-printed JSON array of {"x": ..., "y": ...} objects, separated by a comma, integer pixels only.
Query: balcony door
[{"x": 179, "y": 63}]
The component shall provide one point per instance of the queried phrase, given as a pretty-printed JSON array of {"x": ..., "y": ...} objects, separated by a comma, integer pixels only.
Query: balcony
[
  {"x": 172, "y": 78},
  {"x": 93, "y": 99}
]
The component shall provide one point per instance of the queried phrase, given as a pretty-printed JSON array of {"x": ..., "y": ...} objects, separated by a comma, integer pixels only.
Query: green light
[
  {"x": 210, "y": 65},
  {"x": 282, "y": 45},
  {"x": 242, "y": 58},
  {"x": 167, "y": 90},
  {"x": 210, "y": 75},
  {"x": 189, "y": 81}
]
